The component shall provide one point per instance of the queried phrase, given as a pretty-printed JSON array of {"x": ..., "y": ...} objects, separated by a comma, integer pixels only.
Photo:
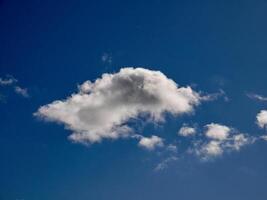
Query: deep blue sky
[{"x": 51, "y": 46}]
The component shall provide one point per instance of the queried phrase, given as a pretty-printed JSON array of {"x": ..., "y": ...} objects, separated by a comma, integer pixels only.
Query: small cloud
[
  {"x": 106, "y": 58},
  {"x": 172, "y": 148},
  {"x": 221, "y": 139},
  {"x": 256, "y": 97},
  {"x": 214, "y": 96},
  {"x": 261, "y": 119},
  {"x": 213, "y": 148},
  {"x": 217, "y": 131},
  {"x": 9, "y": 80},
  {"x": 151, "y": 143},
  {"x": 21, "y": 91},
  {"x": 264, "y": 137},
  {"x": 165, "y": 163},
  {"x": 187, "y": 131}
]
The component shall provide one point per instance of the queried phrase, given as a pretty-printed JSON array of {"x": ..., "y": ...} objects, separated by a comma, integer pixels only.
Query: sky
[{"x": 133, "y": 100}]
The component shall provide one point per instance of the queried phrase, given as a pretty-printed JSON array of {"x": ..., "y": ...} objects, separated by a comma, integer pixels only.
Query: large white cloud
[
  {"x": 102, "y": 108},
  {"x": 262, "y": 118}
]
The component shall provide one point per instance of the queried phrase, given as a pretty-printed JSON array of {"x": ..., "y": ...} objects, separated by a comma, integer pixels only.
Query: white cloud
[
  {"x": 21, "y": 91},
  {"x": 213, "y": 148},
  {"x": 217, "y": 131},
  {"x": 7, "y": 81},
  {"x": 222, "y": 139},
  {"x": 186, "y": 131},
  {"x": 151, "y": 143},
  {"x": 262, "y": 118},
  {"x": 101, "y": 109},
  {"x": 264, "y": 137},
  {"x": 257, "y": 97}
]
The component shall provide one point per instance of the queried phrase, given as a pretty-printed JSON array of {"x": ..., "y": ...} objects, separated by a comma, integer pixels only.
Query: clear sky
[{"x": 202, "y": 71}]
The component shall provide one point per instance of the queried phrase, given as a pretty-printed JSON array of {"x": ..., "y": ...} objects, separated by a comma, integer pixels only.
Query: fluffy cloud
[
  {"x": 216, "y": 148},
  {"x": 151, "y": 143},
  {"x": 221, "y": 139},
  {"x": 262, "y": 118},
  {"x": 213, "y": 148},
  {"x": 217, "y": 131},
  {"x": 101, "y": 109},
  {"x": 186, "y": 131}
]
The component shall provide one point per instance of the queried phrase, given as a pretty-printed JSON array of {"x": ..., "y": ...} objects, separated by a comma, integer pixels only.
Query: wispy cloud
[
  {"x": 21, "y": 91},
  {"x": 106, "y": 58},
  {"x": 9, "y": 80},
  {"x": 256, "y": 97},
  {"x": 165, "y": 163}
]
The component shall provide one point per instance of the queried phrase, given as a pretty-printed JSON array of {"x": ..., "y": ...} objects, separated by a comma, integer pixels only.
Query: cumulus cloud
[
  {"x": 221, "y": 139},
  {"x": 21, "y": 91},
  {"x": 261, "y": 119},
  {"x": 101, "y": 109},
  {"x": 215, "y": 148},
  {"x": 217, "y": 131},
  {"x": 186, "y": 131},
  {"x": 151, "y": 143}
]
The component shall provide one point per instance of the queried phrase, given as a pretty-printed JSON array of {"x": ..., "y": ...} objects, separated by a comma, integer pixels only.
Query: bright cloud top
[
  {"x": 217, "y": 131},
  {"x": 151, "y": 143},
  {"x": 262, "y": 119},
  {"x": 221, "y": 138},
  {"x": 102, "y": 108},
  {"x": 187, "y": 131}
]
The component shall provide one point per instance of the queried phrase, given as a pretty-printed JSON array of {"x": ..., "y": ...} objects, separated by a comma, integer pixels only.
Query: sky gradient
[{"x": 49, "y": 48}]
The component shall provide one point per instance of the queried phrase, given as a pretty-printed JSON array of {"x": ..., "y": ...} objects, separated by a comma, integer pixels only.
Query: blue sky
[{"x": 217, "y": 49}]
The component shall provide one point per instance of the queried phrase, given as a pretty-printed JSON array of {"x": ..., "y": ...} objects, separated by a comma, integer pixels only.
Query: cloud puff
[
  {"x": 261, "y": 119},
  {"x": 103, "y": 108},
  {"x": 217, "y": 131},
  {"x": 21, "y": 91},
  {"x": 151, "y": 143},
  {"x": 214, "y": 148},
  {"x": 7, "y": 81},
  {"x": 186, "y": 131},
  {"x": 218, "y": 140}
]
